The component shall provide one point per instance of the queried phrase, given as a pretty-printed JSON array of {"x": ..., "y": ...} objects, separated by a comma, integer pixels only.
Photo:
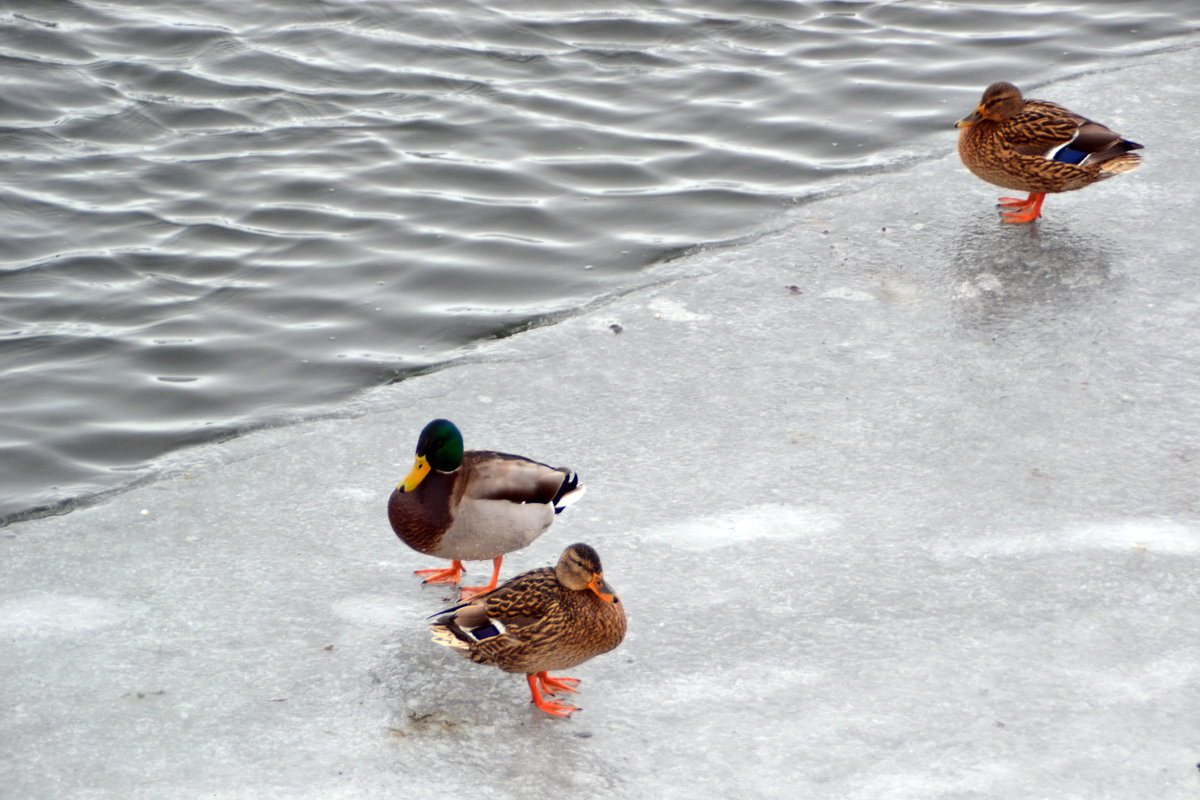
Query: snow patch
[
  {"x": 375, "y": 610},
  {"x": 1135, "y": 535},
  {"x": 757, "y": 523},
  {"x": 673, "y": 310},
  {"x": 846, "y": 293},
  {"x": 46, "y": 614}
]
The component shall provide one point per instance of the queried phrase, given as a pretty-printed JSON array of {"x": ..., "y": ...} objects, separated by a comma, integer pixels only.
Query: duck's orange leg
[
  {"x": 1016, "y": 202},
  {"x": 452, "y": 574},
  {"x": 1026, "y": 211},
  {"x": 549, "y": 706},
  {"x": 557, "y": 685},
  {"x": 467, "y": 592}
]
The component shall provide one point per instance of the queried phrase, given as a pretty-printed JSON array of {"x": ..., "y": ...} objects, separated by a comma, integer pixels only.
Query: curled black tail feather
[{"x": 569, "y": 484}]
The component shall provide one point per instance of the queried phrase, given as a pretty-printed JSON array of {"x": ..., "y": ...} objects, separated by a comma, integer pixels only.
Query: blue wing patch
[
  {"x": 486, "y": 631},
  {"x": 1068, "y": 155}
]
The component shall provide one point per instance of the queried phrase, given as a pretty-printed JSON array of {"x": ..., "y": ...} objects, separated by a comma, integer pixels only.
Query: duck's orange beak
[
  {"x": 417, "y": 474},
  {"x": 600, "y": 586},
  {"x": 968, "y": 121}
]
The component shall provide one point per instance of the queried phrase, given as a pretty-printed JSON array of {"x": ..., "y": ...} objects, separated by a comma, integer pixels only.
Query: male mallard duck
[
  {"x": 474, "y": 505},
  {"x": 1036, "y": 146},
  {"x": 545, "y": 619}
]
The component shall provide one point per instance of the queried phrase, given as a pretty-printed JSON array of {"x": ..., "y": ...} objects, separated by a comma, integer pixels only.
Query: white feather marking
[
  {"x": 571, "y": 497},
  {"x": 1054, "y": 151}
]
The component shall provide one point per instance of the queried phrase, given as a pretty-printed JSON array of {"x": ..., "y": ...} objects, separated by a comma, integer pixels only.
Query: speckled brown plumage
[
  {"x": 542, "y": 620},
  {"x": 1027, "y": 145}
]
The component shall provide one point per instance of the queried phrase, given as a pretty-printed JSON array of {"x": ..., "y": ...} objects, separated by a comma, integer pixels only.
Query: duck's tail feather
[
  {"x": 446, "y": 637},
  {"x": 1119, "y": 165},
  {"x": 569, "y": 493}
]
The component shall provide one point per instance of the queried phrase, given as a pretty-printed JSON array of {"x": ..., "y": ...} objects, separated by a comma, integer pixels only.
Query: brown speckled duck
[
  {"x": 474, "y": 505},
  {"x": 545, "y": 619},
  {"x": 1036, "y": 146}
]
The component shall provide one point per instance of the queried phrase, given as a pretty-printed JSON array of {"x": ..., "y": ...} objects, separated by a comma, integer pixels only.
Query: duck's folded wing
[
  {"x": 500, "y": 476},
  {"x": 525, "y": 599},
  {"x": 1040, "y": 128}
]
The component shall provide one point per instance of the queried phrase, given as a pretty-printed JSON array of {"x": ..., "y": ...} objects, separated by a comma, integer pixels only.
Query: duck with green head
[
  {"x": 474, "y": 505},
  {"x": 1036, "y": 146}
]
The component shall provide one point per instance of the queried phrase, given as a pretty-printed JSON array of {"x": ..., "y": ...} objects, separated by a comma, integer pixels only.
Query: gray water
[{"x": 223, "y": 215}]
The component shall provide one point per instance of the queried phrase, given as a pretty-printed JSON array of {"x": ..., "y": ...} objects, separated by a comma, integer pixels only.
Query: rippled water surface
[{"x": 221, "y": 215}]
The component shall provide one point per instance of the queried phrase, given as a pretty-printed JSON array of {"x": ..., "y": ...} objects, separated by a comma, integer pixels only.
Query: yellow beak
[
  {"x": 600, "y": 586},
  {"x": 417, "y": 474}
]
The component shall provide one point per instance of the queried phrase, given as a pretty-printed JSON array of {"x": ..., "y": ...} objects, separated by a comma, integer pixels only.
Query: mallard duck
[
  {"x": 1038, "y": 147},
  {"x": 474, "y": 505},
  {"x": 551, "y": 618}
]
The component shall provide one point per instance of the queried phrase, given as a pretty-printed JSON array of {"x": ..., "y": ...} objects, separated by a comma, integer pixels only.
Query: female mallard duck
[
  {"x": 474, "y": 505},
  {"x": 545, "y": 619},
  {"x": 1036, "y": 146}
]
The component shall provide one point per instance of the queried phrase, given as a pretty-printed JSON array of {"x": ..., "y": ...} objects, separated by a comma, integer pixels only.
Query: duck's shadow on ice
[
  {"x": 429, "y": 692},
  {"x": 1024, "y": 274}
]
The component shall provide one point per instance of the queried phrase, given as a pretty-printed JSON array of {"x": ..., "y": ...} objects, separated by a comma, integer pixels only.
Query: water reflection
[{"x": 1028, "y": 275}]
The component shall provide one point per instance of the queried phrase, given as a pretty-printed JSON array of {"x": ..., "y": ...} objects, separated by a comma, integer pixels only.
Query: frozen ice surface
[{"x": 903, "y": 503}]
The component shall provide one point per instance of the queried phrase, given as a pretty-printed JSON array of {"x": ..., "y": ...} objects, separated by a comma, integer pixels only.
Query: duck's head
[
  {"x": 440, "y": 447},
  {"x": 1000, "y": 101},
  {"x": 579, "y": 569}
]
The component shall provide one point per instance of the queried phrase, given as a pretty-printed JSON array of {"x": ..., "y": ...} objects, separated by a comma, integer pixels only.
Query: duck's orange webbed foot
[
  {"x": 452, "y": 574},
  {"x": 564, "y": 710},
  {"x": 1026, "y": 210},
  {"x": 551, "y": 685},
  {"x": 469, "y": 592},
  {"x": 1014, "y": 202},
  {"x": 549, "y": 706}
]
